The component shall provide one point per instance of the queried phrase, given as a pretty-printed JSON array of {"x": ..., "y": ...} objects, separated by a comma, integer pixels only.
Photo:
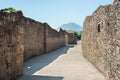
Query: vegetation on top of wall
[
  {"x": 10, "y": 9},
  {"x": 79, "y": 35}
]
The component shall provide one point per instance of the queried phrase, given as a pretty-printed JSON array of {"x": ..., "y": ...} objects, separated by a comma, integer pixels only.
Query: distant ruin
[
  {"x": 22, "y": 38},
  {"x": 101, "y": 40},
  {"x": 71, "y": 38}
]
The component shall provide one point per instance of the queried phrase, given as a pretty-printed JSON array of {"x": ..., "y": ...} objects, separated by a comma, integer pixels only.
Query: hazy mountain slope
[{"x": 71, "y": 26}]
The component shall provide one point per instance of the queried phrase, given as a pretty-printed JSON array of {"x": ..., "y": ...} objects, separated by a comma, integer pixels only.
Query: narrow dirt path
[{"x": 66, "y": 63}]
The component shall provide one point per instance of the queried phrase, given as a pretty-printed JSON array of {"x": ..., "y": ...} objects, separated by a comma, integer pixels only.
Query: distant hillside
[{"x": 71, "y": 26}]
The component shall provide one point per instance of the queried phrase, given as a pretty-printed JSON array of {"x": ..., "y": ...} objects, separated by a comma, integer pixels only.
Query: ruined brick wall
[
  {"x": 11, "y": 45},
  {"x": 62, "y": 38},
  {"x": 72, "y": 38},
  {"x": 22, "y": 38},
  {"x": 101, "y": 40},
  {"x": 54, "y": 39},
  {"x": 33, "y": 38}
]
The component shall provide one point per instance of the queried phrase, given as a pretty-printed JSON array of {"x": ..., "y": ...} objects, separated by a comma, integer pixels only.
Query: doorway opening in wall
[
  {"x": 108, "y": 24},
  {"x": 98, "y": 27}
]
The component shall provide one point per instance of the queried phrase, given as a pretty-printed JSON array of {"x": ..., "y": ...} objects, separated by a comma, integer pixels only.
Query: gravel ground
[{"x": 66, "y": 63}]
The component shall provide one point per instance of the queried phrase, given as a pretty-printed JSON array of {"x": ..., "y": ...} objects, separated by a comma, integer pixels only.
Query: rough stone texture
[
  {"x": 22, "y": 38},
  {"x": 116, "y": 1},
  {"x": 40, "y": 38},
  {"x": 54, "y": 39},
  {"x": 33, "y": 38},
  {"x": 101, "y": 40},
  {"x": 71, "y": 37},
  {"x": 11, "y": 45}
]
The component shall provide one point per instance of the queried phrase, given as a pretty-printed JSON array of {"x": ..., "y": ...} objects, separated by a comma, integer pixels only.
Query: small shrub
[
  {"x": 79, "y": 35},
  {"x": 10, "y": 9}
]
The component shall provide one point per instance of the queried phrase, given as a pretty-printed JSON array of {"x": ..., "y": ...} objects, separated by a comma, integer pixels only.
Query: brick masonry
[
  {"x": 11, "y": 45},
  {"x": 22, "y": 38},
  {"x": 101, "y": 40}
]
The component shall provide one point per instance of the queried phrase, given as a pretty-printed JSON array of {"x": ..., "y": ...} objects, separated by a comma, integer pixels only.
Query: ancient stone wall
[
  {"x": 11, "y": 45},
  {"x": 54, "y": 39},
  {"x": 72, "y": 38},
  {"x": 33, "y": 38},
  {"x": 101, "y": 40},
  {"x": 22, "y": 38}
]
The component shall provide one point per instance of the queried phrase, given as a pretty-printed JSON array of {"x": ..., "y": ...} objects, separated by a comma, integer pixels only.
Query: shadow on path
[
  {"x": 35, "y": 77},
  {"x": 37, "y": 63}
]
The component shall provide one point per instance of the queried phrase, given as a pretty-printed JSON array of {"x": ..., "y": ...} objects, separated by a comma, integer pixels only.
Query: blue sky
[{"x": 56, "y": 12}]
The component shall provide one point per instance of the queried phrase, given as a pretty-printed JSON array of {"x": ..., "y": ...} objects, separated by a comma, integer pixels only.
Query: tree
[{"x": 79, "y": 35}]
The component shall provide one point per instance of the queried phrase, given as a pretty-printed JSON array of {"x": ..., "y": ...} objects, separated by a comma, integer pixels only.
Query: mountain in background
[{"x": 71, "y": 26}]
